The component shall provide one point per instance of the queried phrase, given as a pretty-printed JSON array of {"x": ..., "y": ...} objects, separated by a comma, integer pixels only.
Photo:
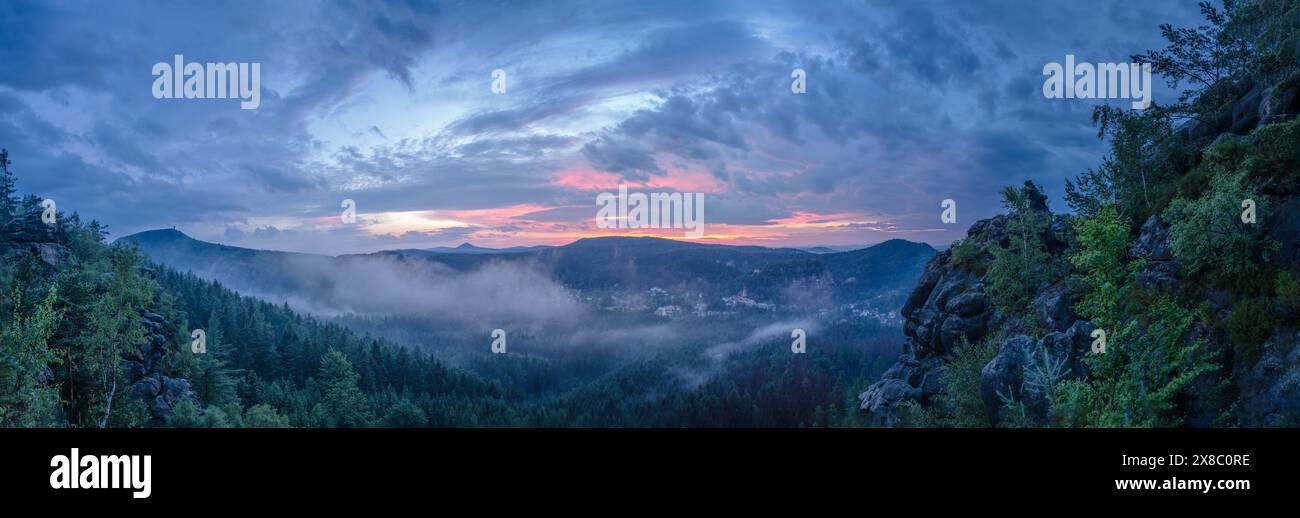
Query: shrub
[
  {"x": 1276, "y": 154},
  {"x": 967, "y": 256},
  {"x": 960, "y": 403},
  {"x": 264, "y": 416},
  {"x": 1207, "y": 232},
  {"x": 1248, "y": 326},
  {"x": 1023, "y": 264},
  {"x": 1287, "y": 289}
]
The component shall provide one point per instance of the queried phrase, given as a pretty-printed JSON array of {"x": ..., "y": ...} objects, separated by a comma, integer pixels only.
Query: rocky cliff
[
  {"x": 147, "y": 364},
  {"x": 949, "y": 306},
  {"x": 147, "y": 373},
  {"x": 949, "y": 303}
]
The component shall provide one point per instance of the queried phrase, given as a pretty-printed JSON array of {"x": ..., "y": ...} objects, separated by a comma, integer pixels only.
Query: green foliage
[
  {"x": 1020, "y": 267},
  {"x": 1202, "y": 56},
  {"x": 263, "y": 415},
  {"x": 184, "y": 415},
  {"x": 1287, "y": 289},
  {"x": 1141, "y": 377},
  {"x": 1207, "y": 233},
  {"x": 208, "y": 373},
  {"x": 1045, "y": 372},
  {"x": 959, "y": 404},
  {"x": 966, "y": 254},
  {"x": 1271, "y": 27},
  {"x": 215, "y": 417},
  {"x": 1275, "y": 154},
  {"x": 1102, "y": 244},
  {"x": 961, "y": 381},
  {"x": 343, "y": 404},
  {"x": 1146, "y": 156},
  {"x": 405, "y": 414},
  {"x": 1249, "y": 325},
  {"x": 28, "y": 397}
]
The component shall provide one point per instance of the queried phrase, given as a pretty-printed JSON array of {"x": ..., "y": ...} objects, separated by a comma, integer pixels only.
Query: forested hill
[
  {"x": 93, "y": 337},
  {"x": 604, "y": 263},
  {"x": 1170, "y": 295}
]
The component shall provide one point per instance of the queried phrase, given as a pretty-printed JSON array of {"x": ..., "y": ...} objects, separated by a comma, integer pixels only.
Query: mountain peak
[{"x": 160, "y": 234}]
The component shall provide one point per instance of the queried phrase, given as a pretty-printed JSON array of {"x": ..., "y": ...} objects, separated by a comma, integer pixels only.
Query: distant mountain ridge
[
  {"x": 467, "y": 248},
  {"x": 600, "y": 263}
]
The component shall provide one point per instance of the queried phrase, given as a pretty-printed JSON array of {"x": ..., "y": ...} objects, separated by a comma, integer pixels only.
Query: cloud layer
[{"x": 389, "y": 104}]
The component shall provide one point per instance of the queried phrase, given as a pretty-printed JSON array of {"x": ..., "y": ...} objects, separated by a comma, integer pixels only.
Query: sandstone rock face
[
  {"x": 1283, "y": 227},
  {"x": 1281, "y": 102},
  {"x": 943, "y": 293},
  {"x": 159, "y": 391},
  {"x": 1054, "y": 307},
  {"x": 949, "y": 307},
  {"x": 28, "y": 235},
  {"x": 1246, "y": 112},
  {"x": 1195, "y": 130},
  {"x": 1270, "y": 387},
  {"x": 1003, "y": 377},
  {"x": 1153, "y": 245},
  {"x": 1023, "y": 364}
]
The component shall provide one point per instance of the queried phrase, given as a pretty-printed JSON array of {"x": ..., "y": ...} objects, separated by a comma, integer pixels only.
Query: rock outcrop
[
  {"x": 147, "y": 367},
  {"x": 949, "y": 305},
  {"x": 28, "y": 234},
  {"x": 159, "y": 391},
  {"x": 1152, "y": 246},
  {"x": 1272, "y": 382}
]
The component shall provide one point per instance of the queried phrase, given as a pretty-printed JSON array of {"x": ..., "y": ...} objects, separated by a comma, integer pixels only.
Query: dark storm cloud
[
  {"x": 908, "y": 103},
  {"x": 40, "y": 47}
]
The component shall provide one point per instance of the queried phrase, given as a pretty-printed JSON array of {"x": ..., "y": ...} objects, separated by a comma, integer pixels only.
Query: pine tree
[
  {"x": 8, "y": 191},
  {"x": 264, "y": 416},
  {"x": 404, "y": 414},
  {"x": 343, "y": 404},
  {"x": 184, "y": 415}
]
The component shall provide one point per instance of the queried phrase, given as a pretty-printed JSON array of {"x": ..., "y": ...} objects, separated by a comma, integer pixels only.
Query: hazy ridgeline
[{"x": 601, "y": 332}]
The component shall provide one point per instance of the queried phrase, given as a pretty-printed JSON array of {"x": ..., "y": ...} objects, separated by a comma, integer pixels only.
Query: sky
[{"x": 391, "y": 104}]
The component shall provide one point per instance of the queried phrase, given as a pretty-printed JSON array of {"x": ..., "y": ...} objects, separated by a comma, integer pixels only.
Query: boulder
[
  {"x": 1154, "y": 246},
  {"x": 1003, "y": 376},
  {"x": 1054, "y": 307},
  {"x": 1061, "y": 227},
  {"x": 1195, "y": 130},
  {"x": 934, "y": 270},
  {"x": 1270, "y": 387},
  {"x": 1037, "y": 198},
  {"x": 51, "y": 254},
  {"x": 908, "y": 380},
  {"x": 955, "y": 328},
  {"x": 1073, "y": 344},
  {"x": 1152, "y": 243},
  {"x": 967, "y": 304},
  {"x": 1246, "y": 112},
  {"x": 1281, "y": 102},
  {"x": 881, "y": 400},
  {"x": 1283, "y": 227},
  {"x": 954, "y": 283},
  {"x": 1160, "y": 274},
  {"x": 147, "y": 388}
]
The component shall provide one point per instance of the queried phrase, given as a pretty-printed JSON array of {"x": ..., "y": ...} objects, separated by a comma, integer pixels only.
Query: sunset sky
[{"x": 390, "y": 105}]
